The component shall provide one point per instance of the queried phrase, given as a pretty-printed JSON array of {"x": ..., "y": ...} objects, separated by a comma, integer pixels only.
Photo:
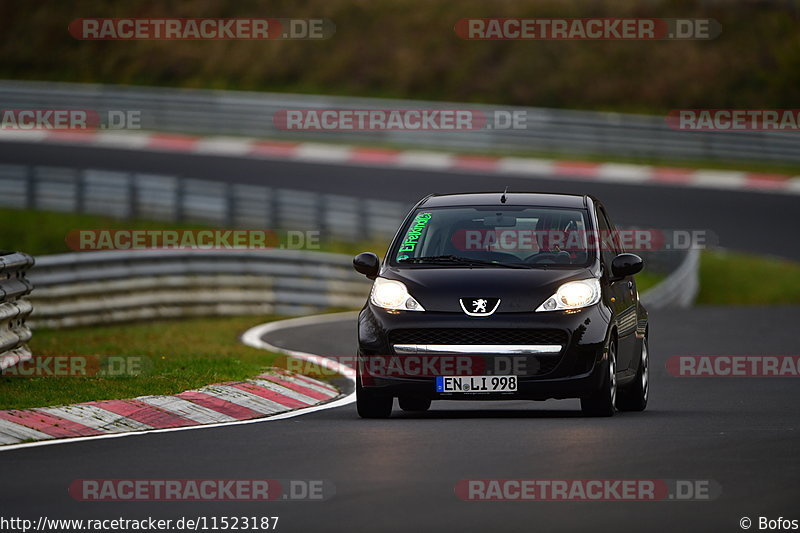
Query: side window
[
  {"x": 608, "y": 245},
  {"x": 615, "y": 237}
]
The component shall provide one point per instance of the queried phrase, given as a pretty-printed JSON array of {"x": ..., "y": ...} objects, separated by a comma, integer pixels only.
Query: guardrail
[
  {"x": 14, "y": 308},
  {"x": 546, "y": 130},
  {"x": 680, "y": 288},
  {"x": 86, "y": 288},
  {"x": 184, "y": 199}
]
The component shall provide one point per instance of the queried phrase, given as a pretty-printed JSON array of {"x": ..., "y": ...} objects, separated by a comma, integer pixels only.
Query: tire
[
  {"x": 602, "y": 402},
  {"x": 634, "y": 396},
  {"x": 414, "y": 404},
  {"x": 371, "y": 405}
]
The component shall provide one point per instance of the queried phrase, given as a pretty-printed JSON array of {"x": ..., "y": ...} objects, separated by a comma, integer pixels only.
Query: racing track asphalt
[{"x": 399, "y": 474}]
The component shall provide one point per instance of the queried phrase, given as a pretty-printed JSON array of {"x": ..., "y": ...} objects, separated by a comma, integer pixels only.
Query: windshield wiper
[{"x": 449, "y": 259}]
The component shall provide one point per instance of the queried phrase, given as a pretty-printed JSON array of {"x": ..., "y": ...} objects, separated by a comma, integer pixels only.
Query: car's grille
[
  {"x": 477, "y": 336},
  {"x": 534, "y": 365}
]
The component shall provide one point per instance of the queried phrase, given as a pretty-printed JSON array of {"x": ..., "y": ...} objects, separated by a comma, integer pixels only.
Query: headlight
[
  {"x": 573, "y": 295},
  {"x": 391, "y": 294}
]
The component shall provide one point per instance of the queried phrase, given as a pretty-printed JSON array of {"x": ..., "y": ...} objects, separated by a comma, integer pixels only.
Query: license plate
[{"x": 475, "y": 384}]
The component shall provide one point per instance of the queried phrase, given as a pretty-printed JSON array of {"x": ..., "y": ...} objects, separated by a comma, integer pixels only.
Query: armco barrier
[
  {"x": 680, "y": 288},
  {"x": 104, "y": 287},
  {"x": 184, "y": 199},
  {"x": 546, "y": 130},
  {"x": 14, "y": 308}
]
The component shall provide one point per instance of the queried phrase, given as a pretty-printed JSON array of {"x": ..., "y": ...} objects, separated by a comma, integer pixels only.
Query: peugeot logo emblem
[{"x": 479, "y": 306}]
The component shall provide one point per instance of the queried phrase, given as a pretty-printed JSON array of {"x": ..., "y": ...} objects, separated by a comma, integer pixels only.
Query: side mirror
[
  {"x": 626, "y": 265},
  {"x": 368, "y": 264}
]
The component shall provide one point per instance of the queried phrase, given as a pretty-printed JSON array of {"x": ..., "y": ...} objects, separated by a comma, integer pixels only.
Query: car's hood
[{"x": 519, "y": 290}]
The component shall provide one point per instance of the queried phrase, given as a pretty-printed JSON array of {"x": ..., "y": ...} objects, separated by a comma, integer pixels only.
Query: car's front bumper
[{"x": 572, "y": 368}]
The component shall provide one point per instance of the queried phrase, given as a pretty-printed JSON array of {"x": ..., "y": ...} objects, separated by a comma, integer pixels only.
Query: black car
[{"x": 503, "y": 296}]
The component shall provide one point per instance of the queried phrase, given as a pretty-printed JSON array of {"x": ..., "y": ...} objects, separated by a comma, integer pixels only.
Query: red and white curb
[
  {"x": 274, "y": 395},
  {"x": 416, "y": 159}
]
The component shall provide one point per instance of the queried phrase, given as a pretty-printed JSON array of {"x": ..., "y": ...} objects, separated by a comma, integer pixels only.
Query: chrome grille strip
[{"x": 517, "y": 349}]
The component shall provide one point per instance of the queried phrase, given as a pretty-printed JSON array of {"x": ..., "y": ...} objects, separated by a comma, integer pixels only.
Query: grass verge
[
  {"x": 184, "y": 354},
  {"x": 732, "y": 278},
  {"x": 45, "y": 231},
  {"x": 646, "y": 280}
]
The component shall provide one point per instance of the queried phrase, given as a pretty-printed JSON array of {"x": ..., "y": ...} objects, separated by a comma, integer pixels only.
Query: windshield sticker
[{"x": 413, "y": 235}]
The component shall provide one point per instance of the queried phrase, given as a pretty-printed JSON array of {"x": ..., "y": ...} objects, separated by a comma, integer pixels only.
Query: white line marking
[
  {"x": 251, "y": 337},
  {"x": 23, "y": 135},
  {"x": 418, "y": 159},
  {"x": 223, "y": 146},
  {"x": 322, "y": 152},
  {"x": 526, "y": 166},
  {"x": 624, "y": 173},
  {"x": 793, "y": 185},
  {"x": 129, "y": 141},
  {"x": 718, "y": 179}
]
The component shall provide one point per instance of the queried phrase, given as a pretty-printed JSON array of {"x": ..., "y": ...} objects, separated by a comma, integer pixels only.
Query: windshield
[{"x": 492, "y": 236}]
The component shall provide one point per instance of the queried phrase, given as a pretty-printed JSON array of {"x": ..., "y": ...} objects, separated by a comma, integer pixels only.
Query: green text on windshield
[{"x": 412, "y": 235}]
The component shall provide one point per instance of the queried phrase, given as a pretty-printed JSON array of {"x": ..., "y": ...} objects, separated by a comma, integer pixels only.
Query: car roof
[{"x": 512, "y": 198}]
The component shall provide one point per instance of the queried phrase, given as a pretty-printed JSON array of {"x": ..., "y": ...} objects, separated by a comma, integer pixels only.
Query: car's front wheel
[
  {"x": 634, "y": 396},
  {"x": 602, "y": 402},
  {"x": 370, "y": 404}
]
